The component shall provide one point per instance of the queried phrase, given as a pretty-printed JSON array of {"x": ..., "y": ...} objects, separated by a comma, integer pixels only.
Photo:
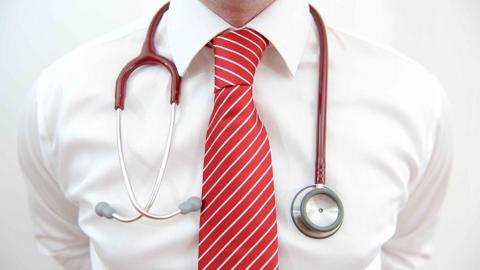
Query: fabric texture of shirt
[{"x": 389, "y": 144}]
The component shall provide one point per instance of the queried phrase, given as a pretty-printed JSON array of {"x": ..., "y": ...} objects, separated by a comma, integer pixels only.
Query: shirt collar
[{"x": 191, "y": 25}]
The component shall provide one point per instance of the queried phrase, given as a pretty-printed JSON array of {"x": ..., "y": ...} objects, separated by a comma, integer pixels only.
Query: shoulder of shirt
[
  {"x": 417, "y": 82},
  {"x": 81, "y": 55},
  {"x": 88, "y": 71},
  {"x": 377, "y": 48},
  {"x": 420, "y": 91}
]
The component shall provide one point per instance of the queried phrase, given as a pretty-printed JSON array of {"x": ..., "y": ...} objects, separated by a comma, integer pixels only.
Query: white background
[{"x": 443, "y": 35}]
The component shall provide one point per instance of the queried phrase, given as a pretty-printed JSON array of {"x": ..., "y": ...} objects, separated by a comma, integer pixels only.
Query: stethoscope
[{"x": 316, "y": 210}]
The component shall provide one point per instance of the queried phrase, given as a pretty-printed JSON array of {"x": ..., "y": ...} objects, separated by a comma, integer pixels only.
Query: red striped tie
[{"x": 238, "y": 222}]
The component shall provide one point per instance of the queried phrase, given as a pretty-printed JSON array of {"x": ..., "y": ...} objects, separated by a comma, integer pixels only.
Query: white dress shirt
[{"x": 389, "y": 145}]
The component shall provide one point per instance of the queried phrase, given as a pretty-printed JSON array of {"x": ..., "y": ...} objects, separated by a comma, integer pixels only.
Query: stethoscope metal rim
[{"x": 300, "y": 216}]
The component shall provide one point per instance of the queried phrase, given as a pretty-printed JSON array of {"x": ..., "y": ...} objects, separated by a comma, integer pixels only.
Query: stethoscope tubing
[
  {"x": 149, "y": 56},
  {"x": 320, "y": 160}
]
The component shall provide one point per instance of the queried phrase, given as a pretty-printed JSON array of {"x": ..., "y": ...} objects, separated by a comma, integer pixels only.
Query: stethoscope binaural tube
[
  {"x": 105, "y": 210},
  {"x": 148, "y": 56}
]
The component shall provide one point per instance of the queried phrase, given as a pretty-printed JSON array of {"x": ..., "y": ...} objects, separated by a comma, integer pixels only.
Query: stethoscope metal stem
[{"x": 143, "y": 211}]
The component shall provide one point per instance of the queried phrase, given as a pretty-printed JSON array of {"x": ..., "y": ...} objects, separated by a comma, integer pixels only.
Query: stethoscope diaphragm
[{"x": 317, "y": 211}]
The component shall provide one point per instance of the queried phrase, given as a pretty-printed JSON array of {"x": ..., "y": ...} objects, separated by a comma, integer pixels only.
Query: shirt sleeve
[
  {"x": 54, "y": 217},
  {"x": 411, "y": 245}
]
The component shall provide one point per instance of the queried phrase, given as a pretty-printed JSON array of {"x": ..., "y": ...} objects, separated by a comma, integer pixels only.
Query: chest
[{"x": 371, "y": 155}]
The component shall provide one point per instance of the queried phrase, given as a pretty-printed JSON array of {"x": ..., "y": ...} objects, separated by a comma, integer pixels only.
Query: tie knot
[{"x": 237, "y": 54}]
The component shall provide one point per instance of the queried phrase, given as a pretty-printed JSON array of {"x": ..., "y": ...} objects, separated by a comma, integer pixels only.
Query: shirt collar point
[
  {"x": 292, "y": 68},
  {"x": 289, "y": 59}
]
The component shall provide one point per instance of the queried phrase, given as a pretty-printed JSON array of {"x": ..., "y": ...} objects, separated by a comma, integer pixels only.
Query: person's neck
[{"x": 237, "y": 12}]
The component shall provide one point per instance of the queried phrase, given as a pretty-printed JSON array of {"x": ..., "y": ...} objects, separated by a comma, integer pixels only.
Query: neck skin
[{"x": 237, "y": 12}]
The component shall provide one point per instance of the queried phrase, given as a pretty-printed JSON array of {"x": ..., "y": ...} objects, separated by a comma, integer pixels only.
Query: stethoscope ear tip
[
  {"x": 103, "y": 209},
  {"x": 192, "y": 204}
]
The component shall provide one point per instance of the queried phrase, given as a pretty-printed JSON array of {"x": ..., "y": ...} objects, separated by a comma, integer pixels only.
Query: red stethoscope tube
[{"x": 149, "y": 56}]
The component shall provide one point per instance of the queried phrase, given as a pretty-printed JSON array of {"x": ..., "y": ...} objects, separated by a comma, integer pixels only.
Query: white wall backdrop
[{"x": 443, "y": 35}]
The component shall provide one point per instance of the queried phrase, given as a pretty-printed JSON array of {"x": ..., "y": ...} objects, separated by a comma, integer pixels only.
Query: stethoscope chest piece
[{"x": 317, "y": 211}]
